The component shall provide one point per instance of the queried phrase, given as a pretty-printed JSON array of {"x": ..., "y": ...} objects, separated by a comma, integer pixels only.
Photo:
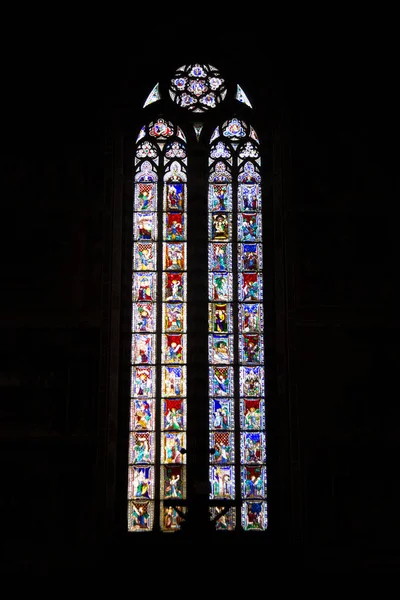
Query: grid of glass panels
[
  {"x": 173, "y": 408},
  {"x": 159, "y": 270},
  {"x": 235, "y": 341}
]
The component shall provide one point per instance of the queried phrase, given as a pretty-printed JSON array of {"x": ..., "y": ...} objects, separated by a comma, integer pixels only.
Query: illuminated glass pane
[
  {"x": 174, "y": 348},
  {"x": 174, "y": 256},
  {"x": 220, "y": 227},
  {"x": 251, "y": 381},
  {"x": 224, "y": 518},
  {"x": 249, "y": 150},
  {"x": 145, "y": 196},
  {"x": 220, "y": 381},
  {"x": 173, "y": 481},
  {"x": 145, "y": 226},
  {"x": 145, "y": 150},
  {"x": 173, "y": 381},
  {"x": 221, "y": 414},
  {"x": 223, "y": 445},
  {"x": 143, "y": 348},
  {"x": 174, "y": 286},
  {"x": 251, "y": 348},
  {"x": 144, "y": 256},
  {"x": 142, "y": 414},
  {"x": 197, "y": 88},
  {"x": 252, "y": 447},
  {"x": 140, "y": 482},
  {"x": 234, "y": 129},
  {"x": 220, "y": 317},
  {"x": 254, "y": 481},
  {"x": 161, "y": 129},
  {"x": 143, "y": 316},
  {"x": 252, "y": 413},
  {"x": 140, "y": 516},
  {"x": 141, "y": 447},
  {"x": 254, "y": 516},
  {"x": 144, "y": 287},
  {"x": 220, "y": 286},
  {"x": 220, "y": 257},
  {"x": 249, "y": 257},
  {"x": 222, "y": 480},
  {"x": 220, "y": 348},
  {"x": 174, "y": 197},
  {"x": 174, "y": 226},
  {"x": 241, "y": 96},
  {"x": 174, "y": 414},
  {"x": 153, "y": 96},
  {"x": 175, "y": 149},
  {"x": 249, "y": 227},
  {"x": 251, "y": 318},
  {"x": 174, "y": 317},
  {"x": 220, "y": 197},
  {"x": 250, "y": 287},
  {"x": 172, "y": 517},
  {"x": 142, "y": 382},
  {"x": 249, "y": 197},
  {"x": 172, "y": 442}
]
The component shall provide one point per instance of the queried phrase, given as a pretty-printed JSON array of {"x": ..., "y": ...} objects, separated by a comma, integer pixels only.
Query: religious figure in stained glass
[
  {"x": 174, "y": 256},
  {"x": 252, "y": 413},
  {"x": 143, "y": 317},
  {"x": 248, "y": 257},
  {"x": 142, "y": 348},
  {"x": 141, "y": 447},
  {"x": 145, "y": 196},
  {"x": 174, "y": 286},
  {"x": 173, "y": 348},
  {"x": 142, "y": 382},
  {"x": 173, "y": 442},
  {"x": 250, "y": 317},
  {"x": 144, "y": 257},
  {"x": 142, "y": 414},
  {"x": 144, "y": 286},
  {"x": 174, "y": 414},
  {"x": 175, "y": 196},
  {"x": 139, "y": 518},
  {"x": 174, "y": 381},
  {"x": 220, "y": 226},
  {"x": 145, "y": 226},
  {"x": 140, "y": 483},
  {"x": 222, "y": 481},
  {"x": 173, "y": 317},
  {"x": 173, "y": 481},
  {"x": 220, "y": 259},
  {"x": 221, "y": 415},
  {"x": 174, "y": 226}
]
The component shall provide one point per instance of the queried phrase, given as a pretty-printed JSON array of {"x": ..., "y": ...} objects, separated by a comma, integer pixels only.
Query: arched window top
[
  {"x": 220, "y": 173},
  {"x": 161, "y": 129},
  {"x": 248, "y": 173},
  {"x": 146, "y": 173},
  {"x": 216, "y": 261},
  {"x": 175, "y": 172}
]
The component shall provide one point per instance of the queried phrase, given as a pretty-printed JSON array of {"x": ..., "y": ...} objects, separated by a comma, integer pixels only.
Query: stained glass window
[{"x": 234, "y": 371}]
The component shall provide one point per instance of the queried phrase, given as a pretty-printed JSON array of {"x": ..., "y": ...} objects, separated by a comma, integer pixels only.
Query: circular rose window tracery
[{"x": 197, "y": 87}]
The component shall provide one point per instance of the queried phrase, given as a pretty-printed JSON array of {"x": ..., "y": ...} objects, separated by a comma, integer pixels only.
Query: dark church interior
[{"x": 329, "y": 126}]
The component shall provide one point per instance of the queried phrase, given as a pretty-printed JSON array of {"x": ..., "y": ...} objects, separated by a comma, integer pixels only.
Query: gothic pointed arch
[{"x": 197, "y": 447}]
